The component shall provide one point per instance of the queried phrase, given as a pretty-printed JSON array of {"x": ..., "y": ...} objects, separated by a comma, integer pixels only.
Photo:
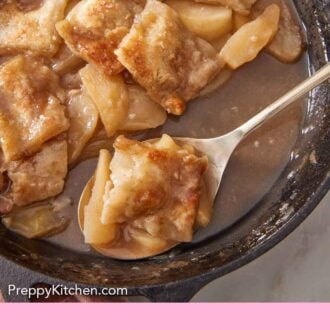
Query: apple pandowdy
[{"x": 75, "y": 75}]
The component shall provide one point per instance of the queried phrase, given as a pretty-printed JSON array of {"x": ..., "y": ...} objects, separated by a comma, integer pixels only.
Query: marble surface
[{"x": 297, "y": 269}]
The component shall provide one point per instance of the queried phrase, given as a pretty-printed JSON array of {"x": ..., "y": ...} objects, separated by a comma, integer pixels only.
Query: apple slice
[
  {"x": 94, "y": 231},
  {"x": 109, "y": 94},
  {"x": 288, "y": 44},
  {"x": 209, "y": 22},
  {"x": 148, "y": 242},
  {"x": 143, "y": 112},
  {"x": 251, "y": 38}
]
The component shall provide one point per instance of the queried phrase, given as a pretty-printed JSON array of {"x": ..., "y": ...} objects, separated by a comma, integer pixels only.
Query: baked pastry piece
[
  {"x": 241, "y": 6},
  {"x": 28, "y": 27},
  {"x": 31, "y": 110},
  {"x": 94, "y": 28},
  {"x": 169, "y": 61},
  {"x": 40, "y": 176},
  {"x": 154, "y": 187}
]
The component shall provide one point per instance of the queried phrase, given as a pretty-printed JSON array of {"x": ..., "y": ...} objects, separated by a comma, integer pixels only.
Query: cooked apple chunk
[
  {"x": 122, "y": 107},
  {"x": 240, "y": 6},
  {"x": 109, "y": 94},
  {"x": 36, "y": 221},
  {"x": 165, "y": 58},
  {"x": 40, "y": 176},
  {"x": 251, "y": 38},
  {"x": 143, "y": 112},
  {"x": 31, "y": 110},
  {"x": 30, "y": 29},
  {"x": 94, "y": 28},
  {"x": 288, "y": 44},
  {"x": 207, "y": 21},
  {"x": 65, "y": 61},
  {"x": 156, "y": 187},
  {"x": 83, "y": 116},
  {"x": 94, "y": 231}
]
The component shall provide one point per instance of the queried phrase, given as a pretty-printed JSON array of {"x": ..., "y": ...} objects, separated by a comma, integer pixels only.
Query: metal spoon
[{"x": 219, "y": 149}]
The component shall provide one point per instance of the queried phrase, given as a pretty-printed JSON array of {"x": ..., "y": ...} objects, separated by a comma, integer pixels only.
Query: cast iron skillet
[{"x": 178, "y": 277}]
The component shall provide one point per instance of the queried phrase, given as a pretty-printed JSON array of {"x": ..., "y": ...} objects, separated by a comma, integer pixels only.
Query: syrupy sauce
[{"x": 256, "y": 163}]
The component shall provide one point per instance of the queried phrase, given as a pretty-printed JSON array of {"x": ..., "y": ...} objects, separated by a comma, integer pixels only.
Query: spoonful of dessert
[{"x": 152, "y": 195}]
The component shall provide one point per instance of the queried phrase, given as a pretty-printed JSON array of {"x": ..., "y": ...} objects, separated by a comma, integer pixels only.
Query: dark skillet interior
[{"x": 298, "y": 190}]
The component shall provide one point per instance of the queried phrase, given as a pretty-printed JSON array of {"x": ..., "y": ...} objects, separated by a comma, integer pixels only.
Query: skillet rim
[{"x": 194, "y": 283}]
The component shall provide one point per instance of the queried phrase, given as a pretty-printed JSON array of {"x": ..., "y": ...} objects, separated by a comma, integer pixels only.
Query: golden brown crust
[
  {"x": 171, "y": 63},
  {"x": 40, "y": 176},
  {"x": 31, "y": 110},
  {"x": 98, "y": 51},
  {"x": 156, "y": 189},
  {"x": 94, "y": 29},
  {"x": 30, "y": 27}
]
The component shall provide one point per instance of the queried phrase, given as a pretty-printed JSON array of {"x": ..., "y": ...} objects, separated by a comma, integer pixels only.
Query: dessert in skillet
[{"x": 77, "y": 75}]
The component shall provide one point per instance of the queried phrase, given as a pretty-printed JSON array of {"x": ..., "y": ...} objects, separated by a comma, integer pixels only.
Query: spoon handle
[{"x": 294, "y": 94}]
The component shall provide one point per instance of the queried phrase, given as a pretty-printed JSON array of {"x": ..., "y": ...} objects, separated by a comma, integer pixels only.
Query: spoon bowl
[{"x": 218, "y": 150}]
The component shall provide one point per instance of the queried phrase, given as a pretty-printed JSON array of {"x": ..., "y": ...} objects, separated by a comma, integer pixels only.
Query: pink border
[{"x": 165, "y": 316}]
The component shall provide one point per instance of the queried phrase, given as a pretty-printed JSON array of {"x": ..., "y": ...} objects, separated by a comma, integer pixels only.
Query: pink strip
[{"x": 164, "y": 316}]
